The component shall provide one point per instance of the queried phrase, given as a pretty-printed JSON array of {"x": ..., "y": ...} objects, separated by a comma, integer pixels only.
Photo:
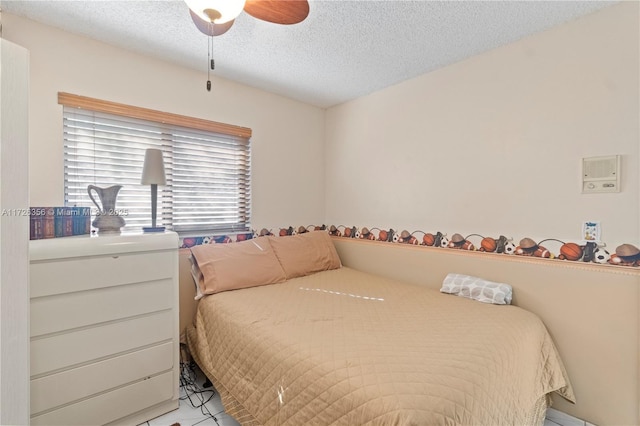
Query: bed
[{"x": 288, "y": 336}]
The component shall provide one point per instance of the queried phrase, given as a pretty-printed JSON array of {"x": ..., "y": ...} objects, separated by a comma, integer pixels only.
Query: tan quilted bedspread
[{"x": 347, "y": 348}]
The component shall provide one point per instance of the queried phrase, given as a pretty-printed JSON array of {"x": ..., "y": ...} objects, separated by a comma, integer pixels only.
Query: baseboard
[{"x": 564, "y": 419}]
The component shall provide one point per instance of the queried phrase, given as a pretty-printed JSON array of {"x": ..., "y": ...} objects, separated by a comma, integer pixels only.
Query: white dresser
[{"x": 104, "y": 329}]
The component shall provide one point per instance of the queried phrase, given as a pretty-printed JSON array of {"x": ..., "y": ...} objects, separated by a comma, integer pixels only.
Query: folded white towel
[{"x": 477, "y": 288}]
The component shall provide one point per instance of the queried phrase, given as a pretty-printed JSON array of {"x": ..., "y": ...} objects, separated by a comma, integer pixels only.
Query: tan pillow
[
  {"x": 304, "y": 254},
  {"x": 236, "y": 265}
]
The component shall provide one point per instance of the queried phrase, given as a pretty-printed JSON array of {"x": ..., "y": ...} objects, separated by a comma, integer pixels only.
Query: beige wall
[
  {"x": 493, "y": 144},
  {"x": 490, "y": 145},
  {"x": 288, "y": 136}
]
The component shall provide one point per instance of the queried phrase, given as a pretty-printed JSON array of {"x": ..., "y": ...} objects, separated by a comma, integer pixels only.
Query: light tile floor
[
  {"x": 198, "y": 406},
  {"x": 202, "y": 406}
]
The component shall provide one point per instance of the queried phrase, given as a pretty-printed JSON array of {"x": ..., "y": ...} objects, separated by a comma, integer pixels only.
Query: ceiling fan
[{"x": 215, "y": 17}]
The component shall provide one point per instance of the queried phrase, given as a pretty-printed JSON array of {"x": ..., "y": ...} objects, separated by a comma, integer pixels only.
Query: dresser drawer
[
  {"x": 51, "y": 277},
  {"x": 50, "y": 314},
  {"x": 104, "y": 329},
  {"x": 52, "y": 391},
  {"x": 112, "y": 405},
  {"x": 85, "y": 345}
]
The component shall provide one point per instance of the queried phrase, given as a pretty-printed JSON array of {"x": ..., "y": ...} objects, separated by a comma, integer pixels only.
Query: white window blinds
[{"x": 208, "y": 173}]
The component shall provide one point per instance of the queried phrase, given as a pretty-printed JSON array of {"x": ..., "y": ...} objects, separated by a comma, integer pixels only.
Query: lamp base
[{"x": 153, "y": 229}]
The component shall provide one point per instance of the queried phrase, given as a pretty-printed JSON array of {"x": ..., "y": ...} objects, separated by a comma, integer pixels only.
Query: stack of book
[{"x": 53, "y": 222}]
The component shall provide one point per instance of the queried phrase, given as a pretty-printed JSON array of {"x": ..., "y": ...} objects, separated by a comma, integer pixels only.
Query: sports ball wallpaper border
[{"x": 549, "y": 248}]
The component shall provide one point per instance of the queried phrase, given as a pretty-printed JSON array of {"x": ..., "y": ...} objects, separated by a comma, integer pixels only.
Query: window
[{"x": 207, "y": 165}]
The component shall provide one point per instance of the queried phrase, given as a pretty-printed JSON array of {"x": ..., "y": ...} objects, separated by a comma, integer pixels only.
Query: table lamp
[{"x": 153, "y": 174}]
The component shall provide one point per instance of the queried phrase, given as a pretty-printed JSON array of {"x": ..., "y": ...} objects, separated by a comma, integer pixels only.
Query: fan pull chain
[
  {"x": 209, "y": 59},
  {"x": 212, "y": 64}
]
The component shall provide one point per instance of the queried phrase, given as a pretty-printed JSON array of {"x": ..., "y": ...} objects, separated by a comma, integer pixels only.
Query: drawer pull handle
[{"x": 115, "y": 257}]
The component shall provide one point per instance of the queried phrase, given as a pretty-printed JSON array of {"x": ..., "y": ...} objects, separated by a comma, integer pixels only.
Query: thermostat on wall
[{"x": 601, "y": 174}]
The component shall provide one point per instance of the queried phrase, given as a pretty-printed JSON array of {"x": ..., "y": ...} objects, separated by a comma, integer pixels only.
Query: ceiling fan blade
[
  {"x": 278, "y": 11},
  {"x": 208, "y": 28}
]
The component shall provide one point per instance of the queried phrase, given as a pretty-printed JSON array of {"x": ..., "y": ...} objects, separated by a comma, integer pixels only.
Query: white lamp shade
[
  {"x": 228, "y": 9},
  {"x": 153, "y": 169}
]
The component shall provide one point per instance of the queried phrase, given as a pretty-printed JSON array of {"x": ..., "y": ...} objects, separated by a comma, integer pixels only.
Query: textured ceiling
[{"x": 343, "y": 50}]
